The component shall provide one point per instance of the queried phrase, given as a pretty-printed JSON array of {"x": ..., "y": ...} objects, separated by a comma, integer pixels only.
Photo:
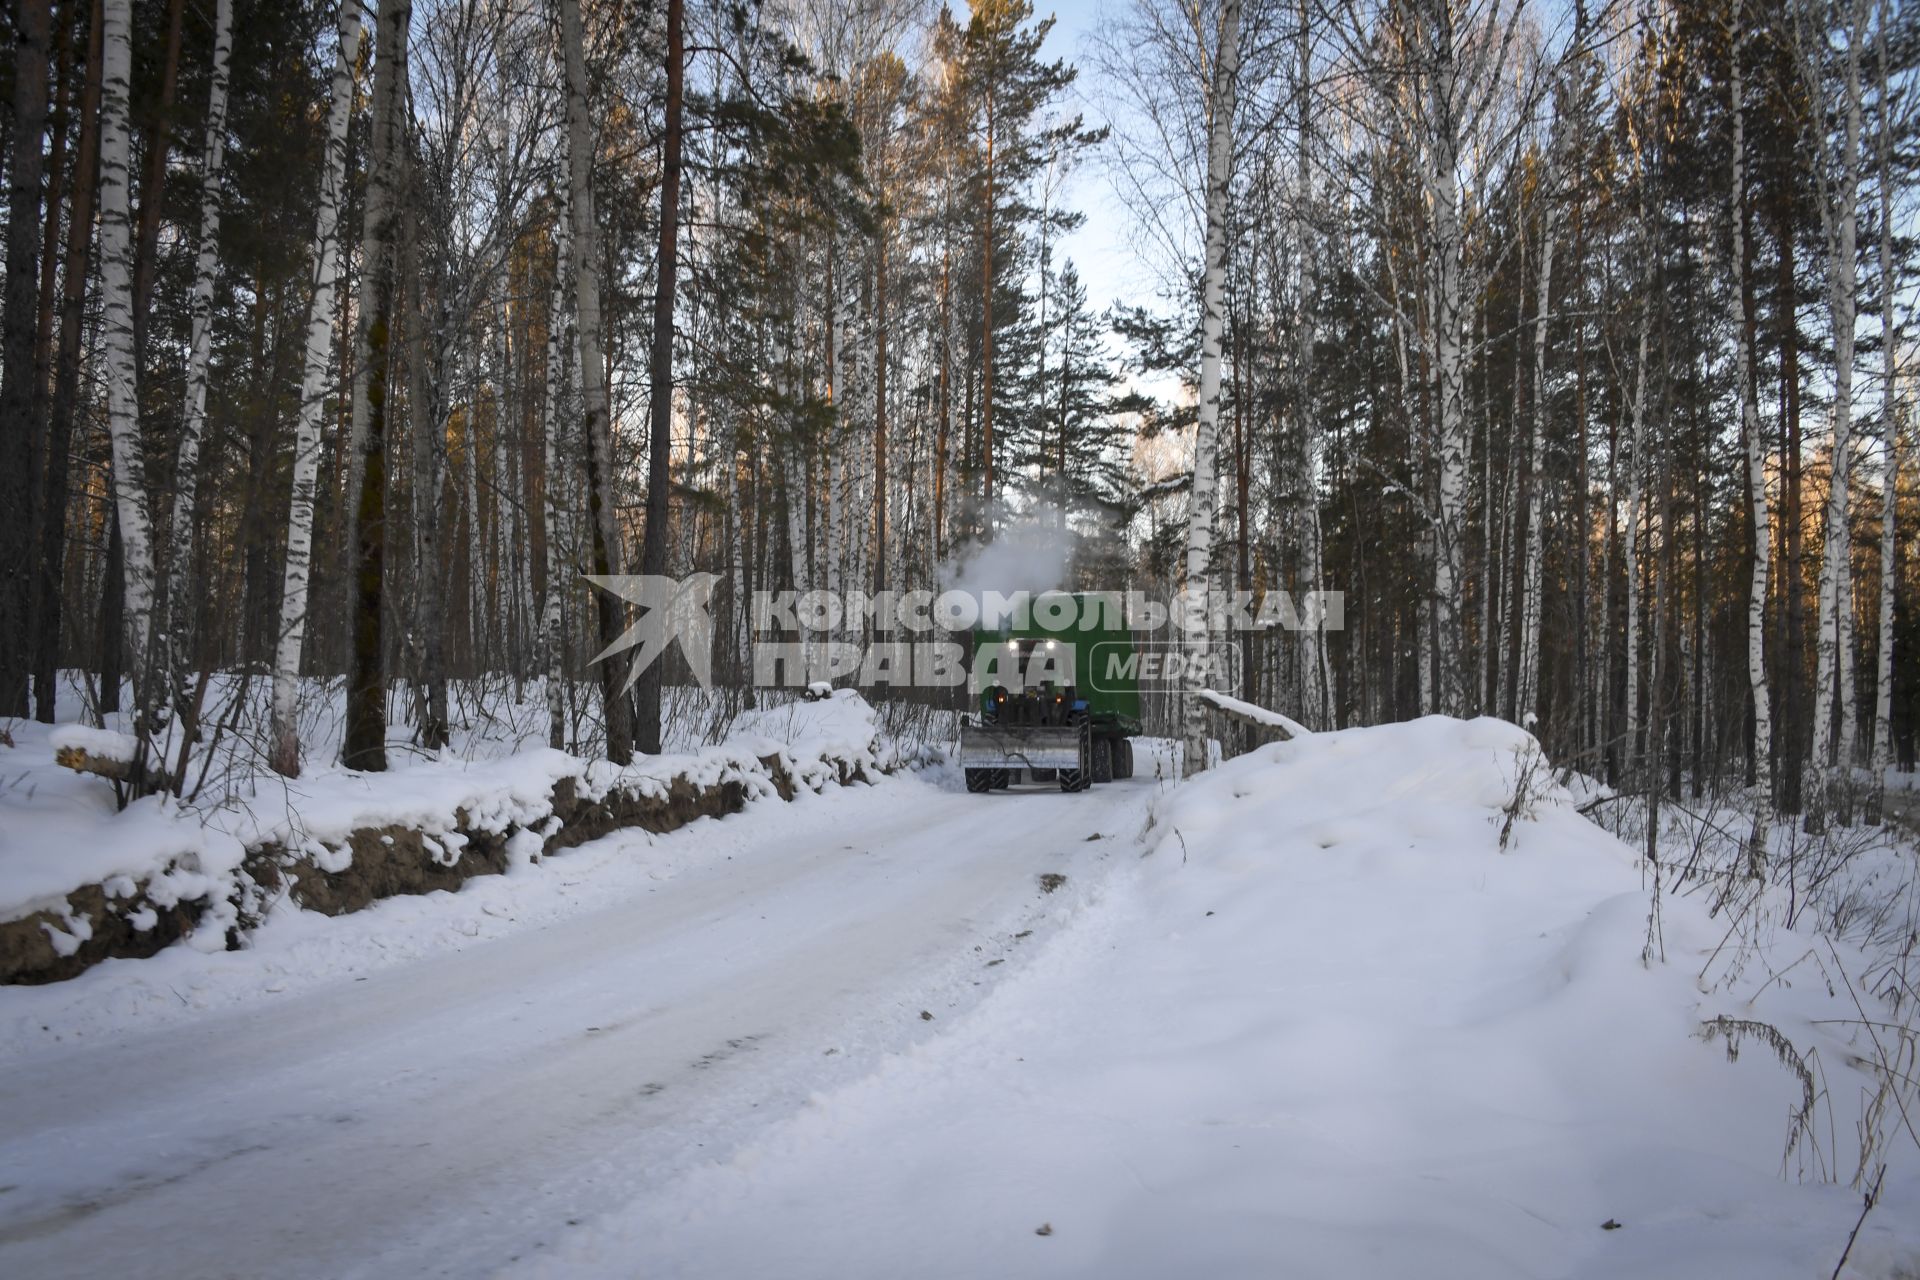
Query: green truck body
[{"x": 1059, "y": 704}]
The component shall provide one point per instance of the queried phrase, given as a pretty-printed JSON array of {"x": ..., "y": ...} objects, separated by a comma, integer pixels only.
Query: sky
[{"x": 1100, "y": 248}]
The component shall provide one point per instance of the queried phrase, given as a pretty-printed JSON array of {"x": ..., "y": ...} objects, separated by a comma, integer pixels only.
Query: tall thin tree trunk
[
  {"x": 19, "y": 332},
  {"x": 1199, "y": 551},
  {"x": 987, "y": 198},
  {"x": 1630, "y": 540},
  {"x": 653, "y": 551},
  {"x": 1833, "y": 663},
  {"x": 183, "y": 606},
  {"x": 1315, "y": 663},
  {"x": 426, "y": 408},
  {"x": 1792, "y": 734},
  {"x": 1892, "y": 417},
  {"x": 1529, "y": 701},
  {"x": 365, "y": 745},
  {"x": 608, "y": 557},
  {"x": 561, "y": 340},
  {"x": 117, "y": 344},
  {"x": 880, "y": 408},
  {"x": 52, "y": 496},
  {"x": 1444, "y": 197},
  {"x": 284, "y": 749},
  {"x": 1756, "y": 467}
]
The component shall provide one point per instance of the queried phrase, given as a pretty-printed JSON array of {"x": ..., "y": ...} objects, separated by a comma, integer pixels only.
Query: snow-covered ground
[{"x": 1305, "y": 1016}]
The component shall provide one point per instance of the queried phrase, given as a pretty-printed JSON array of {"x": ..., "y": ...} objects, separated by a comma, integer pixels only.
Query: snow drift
[{"x": 1369, "y": 1003}]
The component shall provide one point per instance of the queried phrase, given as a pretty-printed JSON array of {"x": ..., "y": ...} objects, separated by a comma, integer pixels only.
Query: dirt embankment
[{"x": 128, "y": 918}]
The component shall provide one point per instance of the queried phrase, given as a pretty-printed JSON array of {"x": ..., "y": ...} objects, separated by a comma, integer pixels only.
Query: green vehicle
[{"x": 1052, "y": 705}]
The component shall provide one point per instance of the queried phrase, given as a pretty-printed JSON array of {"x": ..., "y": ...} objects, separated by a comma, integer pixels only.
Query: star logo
[{"x": 671, "y": 608}]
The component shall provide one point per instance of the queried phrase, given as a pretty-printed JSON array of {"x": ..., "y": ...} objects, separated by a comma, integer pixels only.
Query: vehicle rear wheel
[
  {"x": 1123, "y": 757},
  {"x": 1101, "y": 766},
  {"x": 979, "y": 780},
  {"x": 1002, "y": 778}
]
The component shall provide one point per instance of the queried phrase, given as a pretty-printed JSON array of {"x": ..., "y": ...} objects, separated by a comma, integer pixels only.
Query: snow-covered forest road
[{"x": 457, "y": 1111}]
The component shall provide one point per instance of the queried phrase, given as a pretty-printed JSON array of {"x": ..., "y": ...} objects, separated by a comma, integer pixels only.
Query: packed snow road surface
[{"x": 458, "y": 1110}]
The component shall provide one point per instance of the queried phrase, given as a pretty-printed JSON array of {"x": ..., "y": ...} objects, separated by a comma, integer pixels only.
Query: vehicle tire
[
  {"x": 1123, "y": 757},
  {"x": 979, "y": 780},
  {"x": 1076, "y": 779},
  {"x": 1002, "y": 778},
  {"x": 1100, "y": 767}
]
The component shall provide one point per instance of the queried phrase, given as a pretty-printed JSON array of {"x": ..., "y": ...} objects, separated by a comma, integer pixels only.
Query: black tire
[
  {"x": 1076, "y": 779},
  {"x": 1123, "y": 757},
  {"x": 1100, "y": 767},
  {"x": 1002, "y": 778},
  {"x": 979, "y": 780}
]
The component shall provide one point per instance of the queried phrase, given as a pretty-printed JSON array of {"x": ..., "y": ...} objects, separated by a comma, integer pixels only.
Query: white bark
[
  {"x": 1442, "y": 178},
  {"x": 1199, "y": 559},
  {"x": 1314, "y": 659},
  {"x": 1528, "y": 699},
  {"x": 181, "y": 606},
  {"x": 561, "y": 345},
  {"x": 1892, "y": 417},
  {"x": 1756, "y": 467},
  {"x": 285, "y": 748},
  {"x": 1629, "y": 542},
  {"x": 1839, "y": 207},
  {"x": 116, "y": 338},
  {"x": 586, "y": 263}
]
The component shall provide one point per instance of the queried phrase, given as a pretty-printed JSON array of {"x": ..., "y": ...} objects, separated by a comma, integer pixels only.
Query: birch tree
[
  {"x": 1892, "y": 419},
  {"x": 116, "y": 341},
  {"x": 1199, "y": 554},
  {"x": 1756, "y": 451},
  {"x": 607, "y": 555},
  {"x": 1526, "y": 701},
  {"x": 284, "y": 747},
  {"x": 182, "y": 608},
  {"x": 561, "y": 340},
  {"x": 1838, "y": 196}
]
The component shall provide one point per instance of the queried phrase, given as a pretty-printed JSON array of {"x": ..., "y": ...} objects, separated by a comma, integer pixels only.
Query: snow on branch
[{"x": 1252, "y": 714}]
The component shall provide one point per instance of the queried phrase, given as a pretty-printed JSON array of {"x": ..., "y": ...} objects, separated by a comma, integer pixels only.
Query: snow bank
[
  {"x": 80, "y": 881},
  {"x": 1331, "y": 1025}
]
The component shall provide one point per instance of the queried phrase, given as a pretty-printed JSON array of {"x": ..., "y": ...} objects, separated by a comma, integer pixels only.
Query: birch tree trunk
[
  {"x": 608, "y": 557},
  {"x": 1756, "y": 470},
  {"x": 284, "y": 748},
  {"x": 560, "y": 349},
  {"x": 426, "y": 406},
  {"x": 1839, "y": 202},
  {"x": 1527, "y": 702},
  {"x": 1314, "y": 660},
  {"x": 1199, "y": 558},
  {"x": 1630, "y": 540},
  {"x": 1443, "y": 195},
  {"x": 1892, "y": 417},
  {"x": 183, "y": 606},
  {"x": 116, "y": 341},
  {"x": 365, "y": 746}
]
